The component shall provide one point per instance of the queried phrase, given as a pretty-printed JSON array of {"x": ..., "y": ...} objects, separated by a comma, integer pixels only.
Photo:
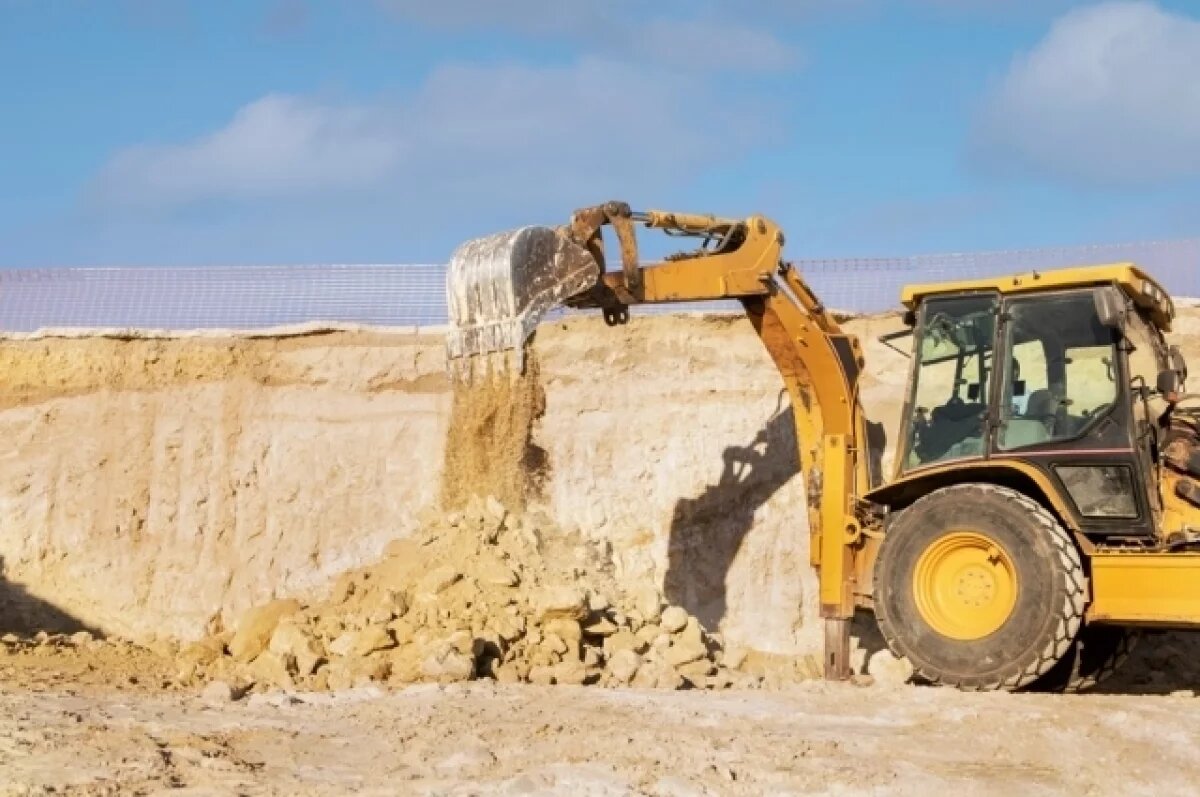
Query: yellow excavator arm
[{"x": 500, "y": 285}]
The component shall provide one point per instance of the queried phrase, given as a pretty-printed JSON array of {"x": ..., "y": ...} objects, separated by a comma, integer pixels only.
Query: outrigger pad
[{"x": 498, "y": 287}]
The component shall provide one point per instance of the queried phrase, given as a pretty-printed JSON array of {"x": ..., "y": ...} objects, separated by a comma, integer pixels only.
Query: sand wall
[{"x": 151, "y": 486}]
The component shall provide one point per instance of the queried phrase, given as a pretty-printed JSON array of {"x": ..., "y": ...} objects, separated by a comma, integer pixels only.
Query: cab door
[{"x": 1064, "y": 407}]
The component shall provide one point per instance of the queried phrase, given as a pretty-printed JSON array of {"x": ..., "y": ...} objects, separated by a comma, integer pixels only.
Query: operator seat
[
  {"x": 949, "y": 424},
  {"x": 1043, "y": 406},
  {"x": 1036, "y": 424}
]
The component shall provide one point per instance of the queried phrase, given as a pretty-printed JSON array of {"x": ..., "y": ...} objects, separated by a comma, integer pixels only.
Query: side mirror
[
  {"x": 1110, "y": 307},
  {"x": 973, "y": 391},
  {"x": 1018, "y": 387},
  {"x": 1177, "y": 362},
  {"x": 1168, "y": 385}
]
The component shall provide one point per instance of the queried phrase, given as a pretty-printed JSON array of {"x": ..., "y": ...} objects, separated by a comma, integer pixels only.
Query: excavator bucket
[{"x": 498, "y": 287}]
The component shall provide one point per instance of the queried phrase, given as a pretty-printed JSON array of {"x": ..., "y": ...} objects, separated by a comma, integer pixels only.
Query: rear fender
[
  {"x": 1017, "y": 475},
  {"x": 1014, "y": 474}
]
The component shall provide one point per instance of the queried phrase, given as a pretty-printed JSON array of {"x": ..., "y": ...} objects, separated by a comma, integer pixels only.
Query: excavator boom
[{"x": 501, "y": 285}]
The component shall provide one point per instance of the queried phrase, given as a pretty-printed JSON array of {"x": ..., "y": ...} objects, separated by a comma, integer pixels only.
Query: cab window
[
  {"x": 1061, "y": 374},
  {"x": 950, "y": 383}
]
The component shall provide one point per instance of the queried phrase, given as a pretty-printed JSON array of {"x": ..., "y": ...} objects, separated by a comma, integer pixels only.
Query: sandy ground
[
  {"x": 103, "y": 718},
  {"x": 89, "y": 730}
]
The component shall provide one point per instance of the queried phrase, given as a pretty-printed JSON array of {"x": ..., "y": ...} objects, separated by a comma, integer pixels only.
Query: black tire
[
  {"x": 1047, "y": 604},
  {"x": 1097, "y": 652}
]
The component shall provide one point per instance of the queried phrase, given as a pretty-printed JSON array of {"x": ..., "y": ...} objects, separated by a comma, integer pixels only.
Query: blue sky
[{"x": 298, "y": 131}]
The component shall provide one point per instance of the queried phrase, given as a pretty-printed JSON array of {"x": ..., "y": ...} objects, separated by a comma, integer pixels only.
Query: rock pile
[{"x": 478, "y": 594}]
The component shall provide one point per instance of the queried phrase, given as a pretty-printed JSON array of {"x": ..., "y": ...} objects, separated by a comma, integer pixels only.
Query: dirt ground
[
  {"x": 74, "y": 724},
  {"x": 105, "y": 718}
]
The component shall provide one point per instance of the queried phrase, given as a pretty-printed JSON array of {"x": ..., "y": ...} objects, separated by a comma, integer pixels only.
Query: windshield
[{"x": 950, "y": 385}]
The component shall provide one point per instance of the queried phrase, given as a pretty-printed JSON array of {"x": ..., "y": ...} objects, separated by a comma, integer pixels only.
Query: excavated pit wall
[
  {"x": 156, "y": 486},
  {"x": 151, "y": 485}
]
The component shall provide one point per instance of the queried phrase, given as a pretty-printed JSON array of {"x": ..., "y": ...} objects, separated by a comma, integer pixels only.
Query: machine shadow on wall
[
  {"x": 24, "y": 614},
  {"x": 707, "y": 531}
]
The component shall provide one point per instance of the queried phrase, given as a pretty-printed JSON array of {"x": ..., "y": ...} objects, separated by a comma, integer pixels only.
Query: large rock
[
  {"x": 568, "y": 630},
  {"x": 256, "y": 626},
  {"x": 674, "y": 619},
  {"x": 649, "y": 632},
  {"x": 733, "y": 658},
  {"x": 602, "y": 627},
  {"x": 406, "y": 664},
  {"x": 542, "y": 675},
  {"x": 564, "y": 601},
  {"x": 647, "y": 602},
  {"x": 571, "y": 673},
  {"x": 491, "y": 570},
  {"x": 273, "y": 670},
  {"x": 360, "y": 643},
  {"x": 446, "y": 664},
  {"x": 623, "y": 666},
  {"x": 657, "y": 675},
  {"x": 692, "y": 631},
  {"x": 290, "y": 640},
  {"x": 436, "y": 581},
  {"x": 682, "y": 653},
  {"x": 554, "y": 645},
  {"x": 344, "y": 673},
  {"x": 623, "y": 639},
  {"x": 218, "y": 693},
  {"x": 508, "y": 626},
  {"x": 696, "y": 672},
  {"x": 888, "y": 669}
]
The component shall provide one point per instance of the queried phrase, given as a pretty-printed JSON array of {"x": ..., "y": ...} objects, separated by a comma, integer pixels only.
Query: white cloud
[
  {"x": 469, "y": 137},
  {"x": 1110, "y": 96},
  {"x": 274, "y": 146}
]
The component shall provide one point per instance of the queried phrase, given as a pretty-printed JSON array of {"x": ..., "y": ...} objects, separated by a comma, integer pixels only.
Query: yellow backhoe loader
[{"x": 1044, "y": 503}]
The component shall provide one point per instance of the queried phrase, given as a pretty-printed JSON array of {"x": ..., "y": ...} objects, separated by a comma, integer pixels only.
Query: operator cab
[{"x": 1057, "y": 370}]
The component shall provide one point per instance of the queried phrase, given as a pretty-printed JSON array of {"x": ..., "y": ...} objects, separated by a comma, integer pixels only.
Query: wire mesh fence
[
  {"x": 249, "y": 297},
  {"x": 871, "y": 285},
  {"x": 227, "y": 297}
]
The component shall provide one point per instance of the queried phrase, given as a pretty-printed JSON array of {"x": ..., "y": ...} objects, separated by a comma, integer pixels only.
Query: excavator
[{"x": 1044, "y": 504}]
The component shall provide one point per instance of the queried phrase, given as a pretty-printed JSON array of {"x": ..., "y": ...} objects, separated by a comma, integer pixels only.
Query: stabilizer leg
[{"x": 837, "y": 649}]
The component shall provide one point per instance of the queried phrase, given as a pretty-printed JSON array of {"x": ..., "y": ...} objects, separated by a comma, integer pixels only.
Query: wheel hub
[{"x": 965, "y": 585}]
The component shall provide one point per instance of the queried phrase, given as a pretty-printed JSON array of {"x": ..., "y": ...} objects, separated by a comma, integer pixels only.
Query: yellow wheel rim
[{"x": 965, "y": 585}]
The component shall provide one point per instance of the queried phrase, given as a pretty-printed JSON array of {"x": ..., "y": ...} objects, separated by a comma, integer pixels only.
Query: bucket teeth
[{"x": 500, "y": 286}]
